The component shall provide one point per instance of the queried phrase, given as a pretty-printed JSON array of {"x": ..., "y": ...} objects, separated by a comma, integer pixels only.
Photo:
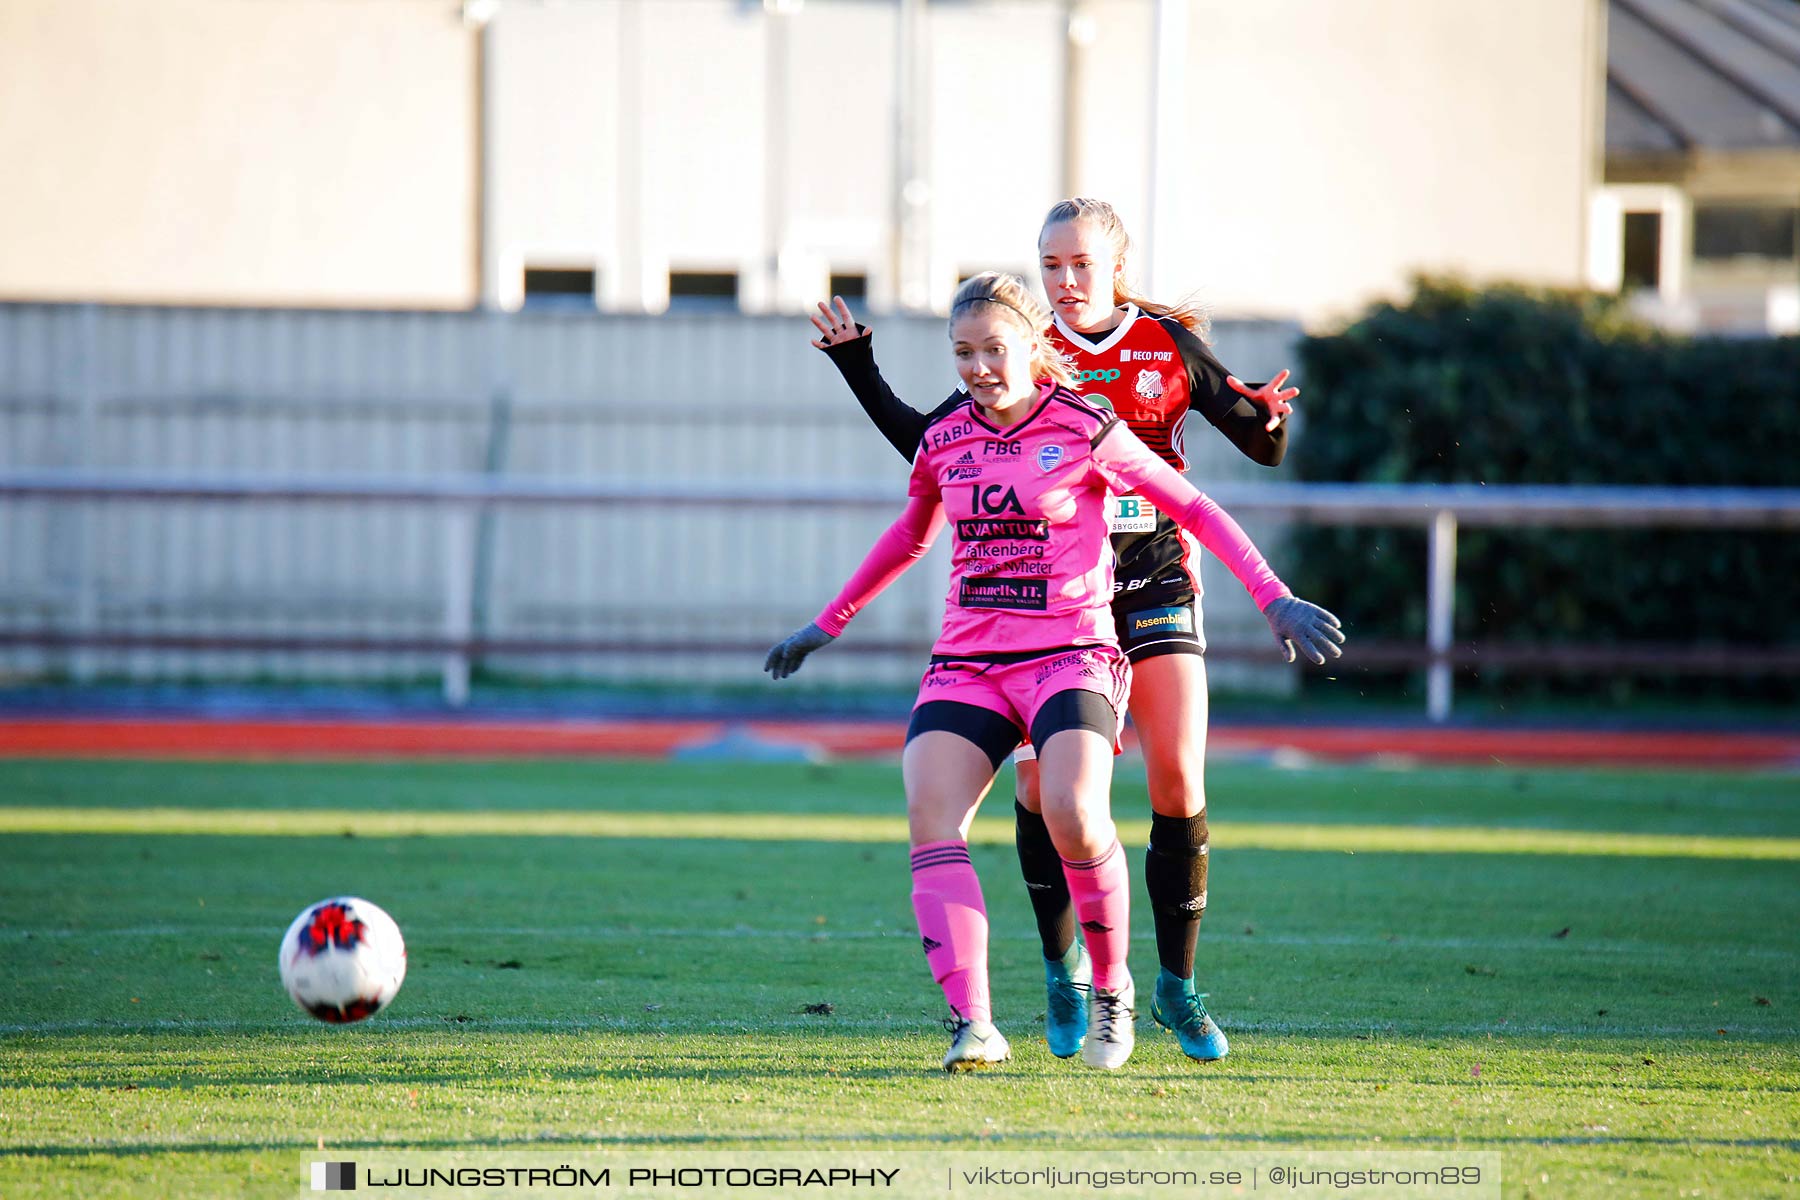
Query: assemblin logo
[{"x": 1162, "y": 618}]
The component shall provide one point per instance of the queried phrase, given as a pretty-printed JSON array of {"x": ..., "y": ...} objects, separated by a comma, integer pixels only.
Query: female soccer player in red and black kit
[
  {"x": 1022, "y": 469},
  {"x": 1148, "y": 364}
]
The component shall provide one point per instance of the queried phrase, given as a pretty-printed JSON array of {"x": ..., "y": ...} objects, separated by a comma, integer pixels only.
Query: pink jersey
[{"x": 1031, "y": 567}]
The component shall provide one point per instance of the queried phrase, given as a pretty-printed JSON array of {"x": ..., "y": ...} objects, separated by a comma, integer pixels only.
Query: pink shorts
[{"x": 1091, "y": 681}]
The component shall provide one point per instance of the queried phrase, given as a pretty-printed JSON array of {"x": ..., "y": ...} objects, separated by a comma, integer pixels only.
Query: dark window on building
[
  {"x": 1643, "y": 250},
  {"x": 692, "y": 290},
  {"x": 1746, "y": 231},
  {"x": 850, "y": 287},
  {"x": 1027, "y": 271},
  {"x": 562, "y": 287}
]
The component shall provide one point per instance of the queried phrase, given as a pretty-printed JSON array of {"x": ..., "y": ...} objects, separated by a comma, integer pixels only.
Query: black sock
[
  {"x": 1175, "y": 876},
  {"x": 1042, "y": 867}
]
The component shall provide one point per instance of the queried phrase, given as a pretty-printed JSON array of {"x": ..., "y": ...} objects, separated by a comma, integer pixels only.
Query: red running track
[{"x": 315, "y": 738}]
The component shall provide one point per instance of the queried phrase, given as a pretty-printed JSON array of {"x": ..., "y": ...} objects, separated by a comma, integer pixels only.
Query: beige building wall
[
  {"x": 1329, "y": 149},
  {"x": 996, "y": 134},
  {"x": 1338, "y": 147},
  {"x": 308, "y": 152},
  {"x": 327, "y": 152},
  {"x": 641, "y": 137},
  {"x": 638, "y": 138}
]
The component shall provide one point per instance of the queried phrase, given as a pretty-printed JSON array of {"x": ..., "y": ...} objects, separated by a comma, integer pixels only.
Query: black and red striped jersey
[{"x": 1152, "y": 371}]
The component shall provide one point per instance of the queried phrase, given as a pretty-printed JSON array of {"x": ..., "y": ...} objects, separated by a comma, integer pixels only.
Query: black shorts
[{"x": 1159, "y": 619}]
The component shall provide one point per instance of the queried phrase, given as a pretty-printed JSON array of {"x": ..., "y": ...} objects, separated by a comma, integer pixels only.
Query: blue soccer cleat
[
  {"x": 1178, "y": 1008},
  {"x": 1066, "y": 1014}
]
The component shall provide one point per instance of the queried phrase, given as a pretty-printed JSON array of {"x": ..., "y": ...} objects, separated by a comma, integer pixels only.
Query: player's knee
[
  {"x": 1177, "y": 784},
  {"x": 1081, "y": 827},
  {"x": 1025, "y": 787},
  {"x": 934, "y": 817}
]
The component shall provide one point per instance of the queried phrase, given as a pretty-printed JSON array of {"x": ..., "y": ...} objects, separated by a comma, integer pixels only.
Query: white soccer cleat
[
  {"x": 974, "y": 1046},
  {"x": 1110, "y": 1033}
]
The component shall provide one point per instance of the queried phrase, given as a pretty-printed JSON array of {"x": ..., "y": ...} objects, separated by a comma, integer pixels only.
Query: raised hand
[
  {"x": 835, "y": 327},
  {"x": 1307, "y": 626},
  {"x": 787, "y": 656},
  {"x": 1270, "y": 395}
]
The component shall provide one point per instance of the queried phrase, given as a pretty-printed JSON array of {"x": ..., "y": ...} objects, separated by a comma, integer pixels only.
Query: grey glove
[
  {"x": 1307, "y": 626},
  {"x": 786, "y": 658}
]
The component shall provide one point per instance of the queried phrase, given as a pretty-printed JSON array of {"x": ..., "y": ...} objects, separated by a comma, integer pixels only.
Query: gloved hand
[
  {"x": 1307, "y": 626},
  {"x": 786, "y": 658}
]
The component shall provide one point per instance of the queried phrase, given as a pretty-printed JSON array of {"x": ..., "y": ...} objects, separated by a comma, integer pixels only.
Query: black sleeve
[
  {"x": 899, "y": 422},
  {"x": 1232, "y": 414}
]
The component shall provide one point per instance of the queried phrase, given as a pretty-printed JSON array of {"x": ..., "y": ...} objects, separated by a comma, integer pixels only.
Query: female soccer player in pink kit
[
  {"x": 1147, "y": 363},
  {"x": 1022, "y": 467}
]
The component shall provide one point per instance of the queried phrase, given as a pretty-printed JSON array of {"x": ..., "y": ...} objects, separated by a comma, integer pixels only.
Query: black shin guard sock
[
  {"x": 1175, "y": 876},
  {"x": 1042, "y": 867}
]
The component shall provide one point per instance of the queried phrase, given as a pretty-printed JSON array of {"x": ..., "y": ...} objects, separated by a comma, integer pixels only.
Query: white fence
[
  {"x": 233, "y": 494},
  {"x": 647, "y": 406},
  {"x": 459, "y": 504}
]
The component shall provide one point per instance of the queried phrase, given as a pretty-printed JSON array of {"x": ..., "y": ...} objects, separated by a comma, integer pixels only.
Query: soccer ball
[{"x": 343, "y": 959}]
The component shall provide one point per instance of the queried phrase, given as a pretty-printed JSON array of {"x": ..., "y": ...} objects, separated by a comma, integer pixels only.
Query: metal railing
[{"x": 462, "y": 500}]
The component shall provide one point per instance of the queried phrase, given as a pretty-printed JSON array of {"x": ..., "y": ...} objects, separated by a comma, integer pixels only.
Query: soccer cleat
[
  {"x": 1178, "y": 1008},
  {"x": 973, "y": 1046},
  {"x": 1110, "y": 1035},
  {"x": 1066, "y": 1014}
]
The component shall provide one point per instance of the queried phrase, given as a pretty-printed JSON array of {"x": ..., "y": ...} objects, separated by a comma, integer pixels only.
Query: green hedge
[{"x": 1513, "y": 385}]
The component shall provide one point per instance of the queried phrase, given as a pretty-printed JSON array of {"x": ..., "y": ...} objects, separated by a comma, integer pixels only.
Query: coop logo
[
  {"x": 334, "y": 1177},
  {"x": 1105, "y": 376}
]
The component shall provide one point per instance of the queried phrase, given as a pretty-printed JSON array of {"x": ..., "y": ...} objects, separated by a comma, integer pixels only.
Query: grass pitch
[{"x": 1595, "y": 974}]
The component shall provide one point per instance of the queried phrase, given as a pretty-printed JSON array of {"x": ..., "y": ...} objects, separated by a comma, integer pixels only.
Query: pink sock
[
  {"x": 953, "y": 925},
  {"x": 1101, "y": 891}
]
